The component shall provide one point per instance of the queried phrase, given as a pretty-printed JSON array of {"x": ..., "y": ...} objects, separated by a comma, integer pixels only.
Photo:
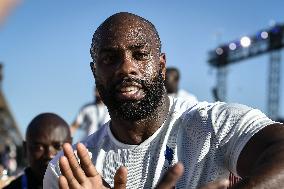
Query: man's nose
[
  {"x": 128, "y": 66},
  {"x": 51, "y": 151}
]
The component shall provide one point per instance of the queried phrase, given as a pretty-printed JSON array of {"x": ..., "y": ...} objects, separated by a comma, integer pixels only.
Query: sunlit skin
[{"x": 45, "y": 136}]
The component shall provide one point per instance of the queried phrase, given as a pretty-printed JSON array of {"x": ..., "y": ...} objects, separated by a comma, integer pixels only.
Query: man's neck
[{"x": 135, "y": 132}]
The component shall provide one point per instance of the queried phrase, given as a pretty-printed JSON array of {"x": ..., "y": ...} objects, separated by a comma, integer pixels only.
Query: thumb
[
  {"x": 171, "y": 177},
  {"x": 120, "y": 178}
]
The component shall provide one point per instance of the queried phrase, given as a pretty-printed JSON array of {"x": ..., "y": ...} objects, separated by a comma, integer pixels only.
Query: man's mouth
[{"x": 130, "y": 91}]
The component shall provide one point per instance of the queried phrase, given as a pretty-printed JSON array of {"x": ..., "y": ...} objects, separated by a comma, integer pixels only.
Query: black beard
[{"x": 136, "y": 109}]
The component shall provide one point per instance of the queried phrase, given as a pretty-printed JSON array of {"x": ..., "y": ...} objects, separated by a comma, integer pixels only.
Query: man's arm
[
  {"x": 74, "y": 127},
  {"x": 77, "y": 122},
  {"x": 261, "y": 162}
]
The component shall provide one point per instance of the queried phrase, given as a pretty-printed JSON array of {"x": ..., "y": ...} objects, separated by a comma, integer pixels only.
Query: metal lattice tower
[
  {"x": 270, "y": 41},
  {"x": 221, "y": 83},
  {"x": 274, "y": 84}
]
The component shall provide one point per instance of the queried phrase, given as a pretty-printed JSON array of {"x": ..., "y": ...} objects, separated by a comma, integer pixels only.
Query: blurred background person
[
  {"x": 4, "y": 178},
  {"x": 8, "y": 158},
  {"x": 91, "y": 116},
  {"x": 172, "y": 85},
  {"x": 45, "y": 136}
]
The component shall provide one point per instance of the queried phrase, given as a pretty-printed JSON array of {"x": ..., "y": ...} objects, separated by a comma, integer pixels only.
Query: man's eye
[
  {"x": 57, "y": 146},
  {"x": 37, "y": 147},
  {"x": 141, "y": 55},
  {"x": 108, "y": 59}
]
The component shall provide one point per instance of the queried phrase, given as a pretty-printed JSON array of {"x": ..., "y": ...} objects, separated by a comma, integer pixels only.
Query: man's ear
[
  {"x": 93, "y": 68},
  {"x": 163, "y": 64}
]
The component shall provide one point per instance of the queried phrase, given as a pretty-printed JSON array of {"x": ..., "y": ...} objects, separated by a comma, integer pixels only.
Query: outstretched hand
[{"x": 85, "y": 175}]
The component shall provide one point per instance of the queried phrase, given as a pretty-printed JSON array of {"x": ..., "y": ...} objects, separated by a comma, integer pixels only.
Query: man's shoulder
[
  {"x": 185, "y": 105},
  {"x": 221, "y": 108},
  {"x": 185, "y": 94},
  {"x": 95, "y": 138},
  {"x": 181, "y": 103},
  {"x": 204, "y": 110}
]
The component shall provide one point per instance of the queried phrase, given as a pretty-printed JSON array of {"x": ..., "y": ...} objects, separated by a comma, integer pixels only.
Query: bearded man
[{"x": 156, "y": 141}]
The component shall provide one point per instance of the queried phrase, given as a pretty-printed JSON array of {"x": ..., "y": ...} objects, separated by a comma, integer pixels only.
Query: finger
[
  {"x": 62, "y": 182},
  {"x": 73, "y": 163},
  {"x": 218, "y": 184},
  {"x": 120, "y": 178},
  {"x": 171, "y": 177},
  {"x": 86, "y": 162},
  {"x": 67, "y": 173}
]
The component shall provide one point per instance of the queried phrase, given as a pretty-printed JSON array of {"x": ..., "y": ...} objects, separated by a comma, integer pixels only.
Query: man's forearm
[{"x": 268, "y": 171}]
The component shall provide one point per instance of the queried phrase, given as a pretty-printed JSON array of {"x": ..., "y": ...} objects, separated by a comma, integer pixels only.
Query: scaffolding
[{"x": 267, "y": 41}]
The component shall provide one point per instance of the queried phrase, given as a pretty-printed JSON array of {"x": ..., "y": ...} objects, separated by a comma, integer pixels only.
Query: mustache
[{"x": 129, "y": 80}]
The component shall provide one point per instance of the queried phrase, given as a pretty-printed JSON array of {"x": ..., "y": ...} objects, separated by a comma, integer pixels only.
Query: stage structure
[{"x": 265, "y": 41}]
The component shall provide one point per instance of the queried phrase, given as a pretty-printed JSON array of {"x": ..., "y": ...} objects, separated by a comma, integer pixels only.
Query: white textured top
[
  {"x": 207, "y": 138},
  {"x": 91, "y": 117},
  {"x": 185, "y": 95}
]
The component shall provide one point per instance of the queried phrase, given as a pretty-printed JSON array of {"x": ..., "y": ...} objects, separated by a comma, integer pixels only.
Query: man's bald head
[
  {"x": 45, "y": 135},
  {"x": 124, "y": 23},
  {"x": 45, "y": 122}
]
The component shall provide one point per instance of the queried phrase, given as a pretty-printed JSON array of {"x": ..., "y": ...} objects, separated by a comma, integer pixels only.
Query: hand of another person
[
  {"x": 84, "y": 175},
  {"x": 218, "y": 184}
]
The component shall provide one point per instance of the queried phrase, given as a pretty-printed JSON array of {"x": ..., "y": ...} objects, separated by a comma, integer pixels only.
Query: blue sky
[{"x": 45, "y": 49}]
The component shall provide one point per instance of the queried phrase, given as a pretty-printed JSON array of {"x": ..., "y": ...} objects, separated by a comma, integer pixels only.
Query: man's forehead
[
  {"x": 47, "y": 130},
  {"x": 110, "y": 47},
  {"x": 126, "y": 36},
  {"x": 124, "y": 31}
]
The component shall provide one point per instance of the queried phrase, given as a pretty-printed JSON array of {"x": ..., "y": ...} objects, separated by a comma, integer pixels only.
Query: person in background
[
  {"x": 172, "y": 85},
  {"x": 45, "y": 136},
  {"x": 91, "y": 116},
  {"x": 4, "y": 178}
]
